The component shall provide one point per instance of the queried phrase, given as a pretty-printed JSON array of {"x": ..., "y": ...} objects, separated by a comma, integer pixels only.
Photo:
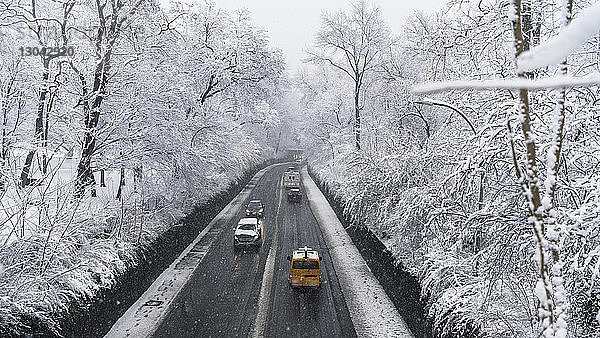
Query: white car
[{"x": 248, "y": 232}]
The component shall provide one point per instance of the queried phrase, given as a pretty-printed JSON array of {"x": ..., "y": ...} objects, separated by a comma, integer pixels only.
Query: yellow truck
[{"x": 305, "y": 268}]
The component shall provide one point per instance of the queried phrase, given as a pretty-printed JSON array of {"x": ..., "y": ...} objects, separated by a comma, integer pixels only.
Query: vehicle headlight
[
  {"x": 261, "y": 210},
  {"x": 255, "y": 236},
  {"x": 247, "y": 210},
  {"x": 235, "y": 237}
]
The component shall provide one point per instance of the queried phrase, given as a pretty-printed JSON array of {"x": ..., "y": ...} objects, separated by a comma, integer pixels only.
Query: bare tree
[
  {"x": 530, "y": 183},
  {"x": 28, "y": 15},
  {"x": 552, "y": 169},
  {"x": 10, "y": 96},
  {"x": 111, "y": 15},
  {"x": 549, "y": 289},
  {"x": 353, "y": 42}
]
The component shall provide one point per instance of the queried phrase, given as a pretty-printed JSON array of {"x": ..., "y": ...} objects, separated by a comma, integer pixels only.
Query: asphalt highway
[{"x": 245, "y": 293}]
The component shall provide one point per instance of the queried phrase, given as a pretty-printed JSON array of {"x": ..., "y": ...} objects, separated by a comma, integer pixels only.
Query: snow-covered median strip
[
  {"x": 147, "y": 313},
  {"x": 373, "y": 313}
]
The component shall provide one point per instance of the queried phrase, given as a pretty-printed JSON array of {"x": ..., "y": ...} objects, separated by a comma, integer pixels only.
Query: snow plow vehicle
[
  {"x": 291, "y": 180},
  {"x": 305, "y": 268}
]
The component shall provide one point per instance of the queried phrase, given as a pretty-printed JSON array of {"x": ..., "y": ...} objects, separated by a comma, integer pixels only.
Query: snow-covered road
[{"x": 212, "y": 290}]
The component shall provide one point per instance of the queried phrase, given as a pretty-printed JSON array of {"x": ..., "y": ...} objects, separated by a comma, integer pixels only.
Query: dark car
[
  {"x": 294, "y": 195},
  {"x": 255, "y": 209}
]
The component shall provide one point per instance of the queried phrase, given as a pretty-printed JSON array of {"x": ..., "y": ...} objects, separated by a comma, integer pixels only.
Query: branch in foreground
[
  {"x": 554, "y": 82},
  {"x": 565, "y": 43}
]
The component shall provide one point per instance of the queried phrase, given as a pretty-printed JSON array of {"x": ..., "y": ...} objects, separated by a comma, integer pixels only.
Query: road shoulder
[{"x": 371, "y": 310}]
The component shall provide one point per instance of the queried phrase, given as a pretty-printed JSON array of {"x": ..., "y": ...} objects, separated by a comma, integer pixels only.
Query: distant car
[
  {"x": 305, "y": 268},
  {"x": 248, "y": 233},
  {"x": 290, "y": 169},
  {"x": 294, "y": 195},
  {"x": 255, "y": 208}
]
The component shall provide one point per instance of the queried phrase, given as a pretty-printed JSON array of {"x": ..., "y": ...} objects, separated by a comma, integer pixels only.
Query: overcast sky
[{"x": 292, "y": 24}]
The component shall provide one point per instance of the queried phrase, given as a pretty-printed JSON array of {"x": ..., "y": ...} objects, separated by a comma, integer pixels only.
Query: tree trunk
[
  {"x": 278, "y": 142},
  {"x": 51, "y": 98},
  {"x": 92, "y": 116},
  {"x": 84, "y": 169},
  {"x": 102, "y": 181},
  {"x": 107, "y": 33},
  {"x": 121, "y": 183},
  {"x": 137, "y": 177},
  {"x": 553, "y": 229},
  {"x": 530, "y": 184},
  {"x": 4, "y": 107},
  {"x": 357, "y": 115},
  {"x": 39, "y": 126}
]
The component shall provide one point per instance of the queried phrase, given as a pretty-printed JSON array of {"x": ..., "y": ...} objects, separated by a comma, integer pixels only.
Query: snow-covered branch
[
  {"x": 519, "y": 83},
  {"x": 571, "y": 38}
]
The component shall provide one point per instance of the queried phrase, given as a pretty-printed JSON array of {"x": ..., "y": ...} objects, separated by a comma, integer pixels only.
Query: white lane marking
[
  {"x": 259, "y": 327},
  {"x": 144, "y": 317},
  {"x": 260, "y": 323}
]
